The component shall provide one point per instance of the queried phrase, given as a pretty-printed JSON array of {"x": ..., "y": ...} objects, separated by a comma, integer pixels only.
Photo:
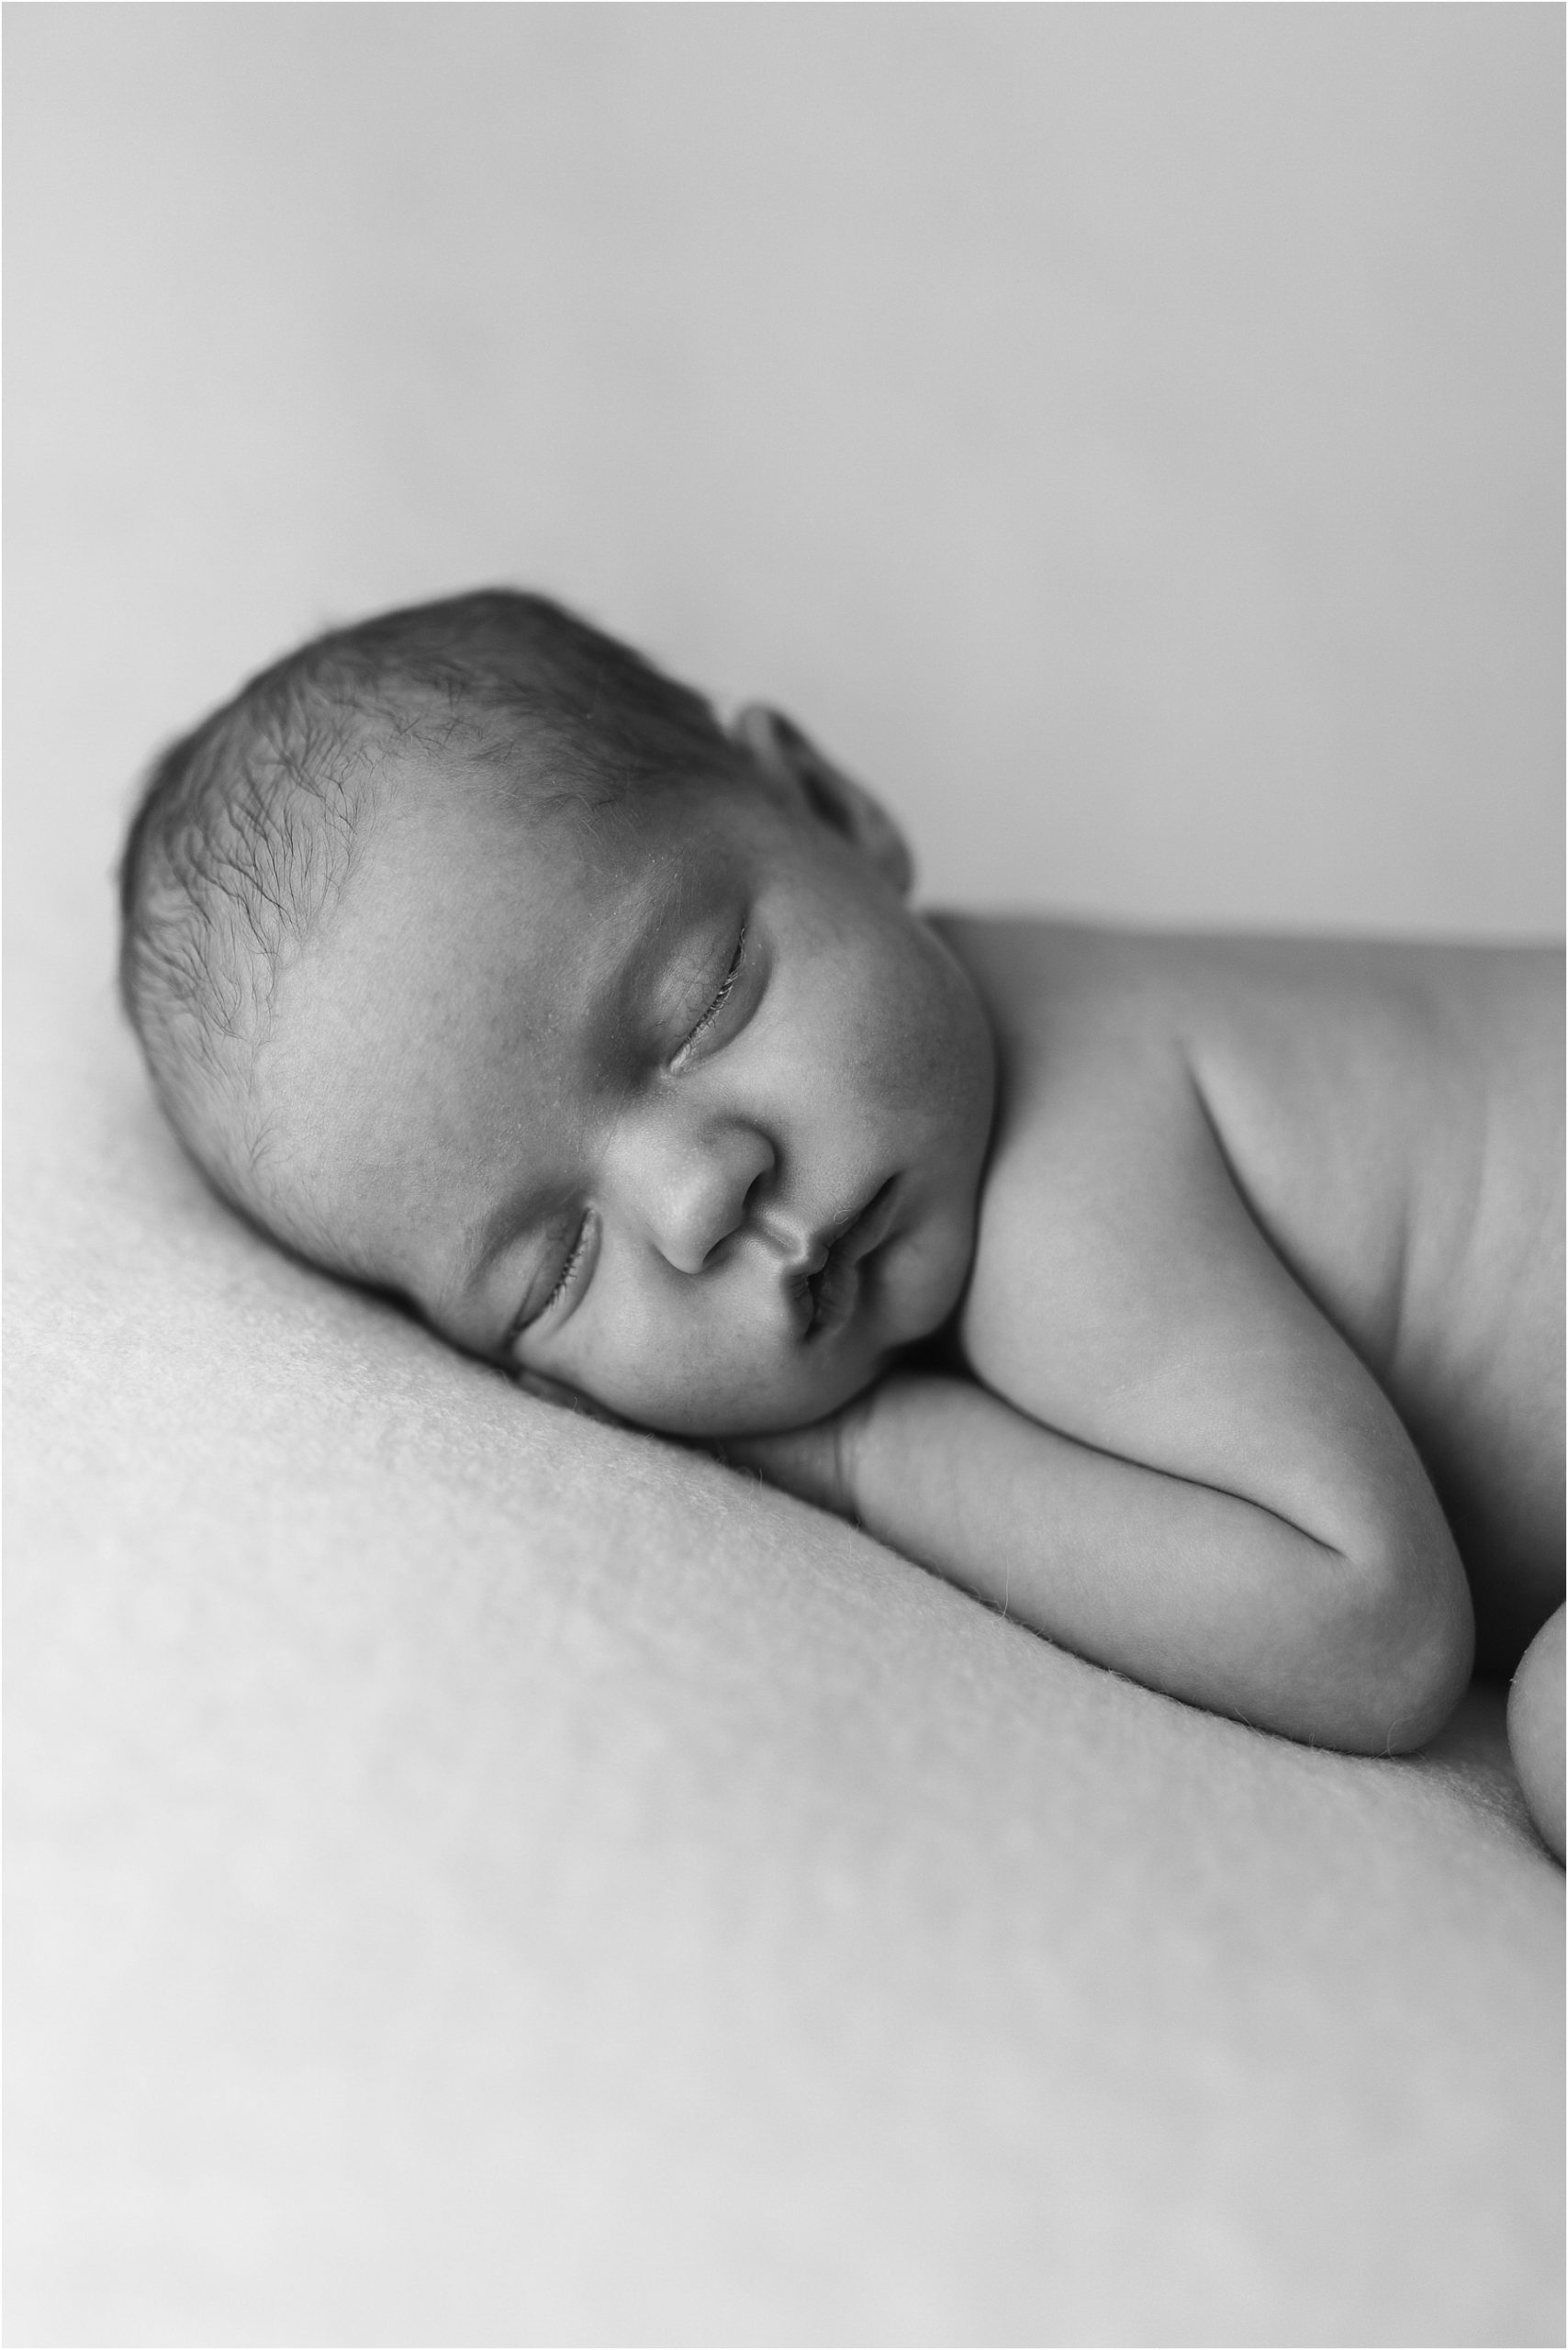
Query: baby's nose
[{"x": 701, "y": 1194}]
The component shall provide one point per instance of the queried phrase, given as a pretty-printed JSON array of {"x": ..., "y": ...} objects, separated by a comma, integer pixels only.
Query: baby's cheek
[
  {"x": 656, "y": 1363},
  {"x": 730, "y": 1384}
]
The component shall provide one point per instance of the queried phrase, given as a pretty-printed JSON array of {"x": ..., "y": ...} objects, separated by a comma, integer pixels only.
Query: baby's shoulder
[
  {"x": 1268, "y": 1032},
  {"x": 1351, "y": 1101},
  {"x": 1104, "y": 1162},
  {"x": 1082, "y": 1014}
]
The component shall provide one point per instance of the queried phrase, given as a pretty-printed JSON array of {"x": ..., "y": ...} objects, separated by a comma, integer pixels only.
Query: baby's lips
[
  {"x": 837, "y": 1287},
  {"x": 871, "y": 1225}
]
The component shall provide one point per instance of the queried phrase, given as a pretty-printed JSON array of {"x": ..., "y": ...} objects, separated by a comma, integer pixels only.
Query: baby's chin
[
  {"x": 808, "y": 1395},
  {"x": 818, "y": 1379}
]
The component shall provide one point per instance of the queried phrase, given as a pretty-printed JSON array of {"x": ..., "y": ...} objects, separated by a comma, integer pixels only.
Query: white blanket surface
[{"x": 478, "y": 1876}]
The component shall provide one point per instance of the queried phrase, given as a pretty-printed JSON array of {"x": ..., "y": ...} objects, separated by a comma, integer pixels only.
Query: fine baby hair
[{"x": 246, "y": 826}]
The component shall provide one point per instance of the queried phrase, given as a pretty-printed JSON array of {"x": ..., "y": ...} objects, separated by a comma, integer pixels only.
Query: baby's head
[{"x": 474, "y": 961}]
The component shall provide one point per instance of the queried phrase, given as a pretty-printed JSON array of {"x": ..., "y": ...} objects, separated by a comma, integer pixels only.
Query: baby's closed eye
[{"x": 716, "y": 1003}]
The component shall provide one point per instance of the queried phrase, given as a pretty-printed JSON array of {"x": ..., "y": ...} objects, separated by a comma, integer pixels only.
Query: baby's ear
[{"x": 787, "y": 759}]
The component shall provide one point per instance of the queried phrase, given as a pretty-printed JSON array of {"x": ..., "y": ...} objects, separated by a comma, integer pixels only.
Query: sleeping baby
[{"x": 1196, "y": 1301}]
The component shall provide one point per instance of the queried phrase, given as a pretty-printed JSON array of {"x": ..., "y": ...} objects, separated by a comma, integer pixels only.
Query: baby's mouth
[{"x": 830, "y": 1293}]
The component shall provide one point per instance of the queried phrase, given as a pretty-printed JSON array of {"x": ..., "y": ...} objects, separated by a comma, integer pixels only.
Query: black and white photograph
[{"x": 784, "y": 1173}]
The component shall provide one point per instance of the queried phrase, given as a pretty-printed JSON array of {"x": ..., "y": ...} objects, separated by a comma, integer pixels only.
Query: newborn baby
[{"x": 1199, "y": 1301}]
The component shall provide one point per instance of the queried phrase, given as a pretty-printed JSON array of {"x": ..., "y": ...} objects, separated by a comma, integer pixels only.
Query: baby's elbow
[
  {"x": 1423, "y": 1685},
  {"x": 1412, "y": 1629}
]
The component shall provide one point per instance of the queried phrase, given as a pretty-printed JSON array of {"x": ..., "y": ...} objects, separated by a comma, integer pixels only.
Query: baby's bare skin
[
  {"x": 1269, "y": 1261},
  {"x": 1195, "y": 1294},
  {"x": 1391, "y": 1115},
  {"x": 1186, "y": 1298}
]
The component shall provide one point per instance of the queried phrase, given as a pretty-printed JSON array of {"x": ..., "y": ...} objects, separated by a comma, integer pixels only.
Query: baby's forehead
[
  {"x": 472, "y": 958},
  {"x": 525, "y": 816},
  {"x": 471, "y": 905}
]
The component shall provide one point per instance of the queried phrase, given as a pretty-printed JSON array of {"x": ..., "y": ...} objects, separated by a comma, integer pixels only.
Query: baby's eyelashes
[
  {"x": 566, "y": 1286},
  {"x": 570, "y": 1270},
  {"x": 716, "y": 1006}
]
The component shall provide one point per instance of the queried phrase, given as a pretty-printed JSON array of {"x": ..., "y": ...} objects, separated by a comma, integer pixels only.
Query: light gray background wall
[{"x": 1130, "y": 437}]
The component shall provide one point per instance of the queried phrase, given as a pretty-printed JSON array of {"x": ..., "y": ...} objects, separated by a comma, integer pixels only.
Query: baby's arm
[
  {"x": 1187, "y": 1588},
  {"x": 1192, "y": 1478}
]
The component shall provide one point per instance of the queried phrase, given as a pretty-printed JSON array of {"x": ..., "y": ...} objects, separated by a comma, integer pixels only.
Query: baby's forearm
[{"x": 1191, "y": 1590}]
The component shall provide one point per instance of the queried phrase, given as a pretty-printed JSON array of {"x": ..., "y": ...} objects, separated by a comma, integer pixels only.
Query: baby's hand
[{"x": 817, "y": 1463}]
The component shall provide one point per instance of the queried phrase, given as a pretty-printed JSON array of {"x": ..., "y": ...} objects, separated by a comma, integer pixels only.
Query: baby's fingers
[{"x": 805, "y": 1461}]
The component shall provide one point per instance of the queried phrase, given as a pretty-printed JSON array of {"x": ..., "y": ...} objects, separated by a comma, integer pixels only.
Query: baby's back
[{"x": 1391, "y": 1114}]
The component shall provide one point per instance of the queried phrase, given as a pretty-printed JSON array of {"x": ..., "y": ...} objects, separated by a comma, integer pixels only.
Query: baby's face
[{"x": 687, "y": 1113}]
